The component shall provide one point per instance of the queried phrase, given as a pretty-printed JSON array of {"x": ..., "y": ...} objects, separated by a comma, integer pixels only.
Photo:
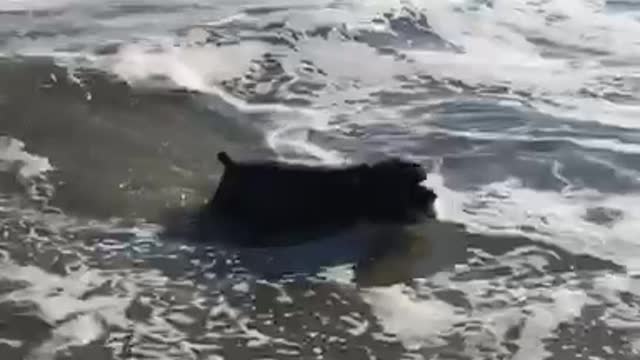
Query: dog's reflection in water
[
  {"x": 378, "y": 254},
  {"x": 411, "y": 251}
]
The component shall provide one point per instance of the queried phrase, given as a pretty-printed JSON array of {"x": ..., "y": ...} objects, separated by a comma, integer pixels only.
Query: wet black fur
[{"x": 272, "y": 198}]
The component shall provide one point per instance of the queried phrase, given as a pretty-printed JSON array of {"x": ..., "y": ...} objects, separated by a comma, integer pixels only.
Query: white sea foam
[
  {"x": 415, "y": 322},
  {"x": 499, "y": 50},
  {"x": 13, "y": 156},
  {"x": 77, "y": 332},
  {"x": 509, "y": 208},
  {"x": 195, "y": 68}
]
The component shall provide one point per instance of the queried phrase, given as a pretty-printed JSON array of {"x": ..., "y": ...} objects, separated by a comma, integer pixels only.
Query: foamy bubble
[
  {"x": 59, "y": 297},
  {"x": 76, "y": 332},
  {"x": 543, "y": 319},
  {"x": 195, "y": 68},
  {"x": 12, "y": 154},
  {"x": 415, "y": 322}
]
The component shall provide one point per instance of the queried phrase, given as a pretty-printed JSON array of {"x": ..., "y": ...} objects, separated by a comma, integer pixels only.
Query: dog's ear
[{"x": 224, "y": 158}]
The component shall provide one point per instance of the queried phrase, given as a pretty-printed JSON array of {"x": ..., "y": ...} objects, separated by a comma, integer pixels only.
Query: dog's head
[
  {"x": 393, "y": 190},
  {"x": 424, "y": 199}
]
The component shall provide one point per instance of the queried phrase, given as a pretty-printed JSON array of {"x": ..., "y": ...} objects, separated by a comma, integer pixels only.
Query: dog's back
[{"x": 276, "y": 197}]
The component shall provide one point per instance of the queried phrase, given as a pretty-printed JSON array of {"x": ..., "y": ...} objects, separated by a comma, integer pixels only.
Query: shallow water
[{"x": 524, "y": 112}]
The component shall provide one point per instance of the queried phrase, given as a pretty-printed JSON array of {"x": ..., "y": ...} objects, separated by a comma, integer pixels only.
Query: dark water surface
[{"x": 525, "y": 114}]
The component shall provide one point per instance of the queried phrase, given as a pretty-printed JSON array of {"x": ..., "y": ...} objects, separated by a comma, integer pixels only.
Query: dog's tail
[{"x": 224, "y": 158}]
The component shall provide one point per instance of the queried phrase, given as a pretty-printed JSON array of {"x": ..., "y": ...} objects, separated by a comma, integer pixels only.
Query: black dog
[{"x": 270, "y": 198}]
